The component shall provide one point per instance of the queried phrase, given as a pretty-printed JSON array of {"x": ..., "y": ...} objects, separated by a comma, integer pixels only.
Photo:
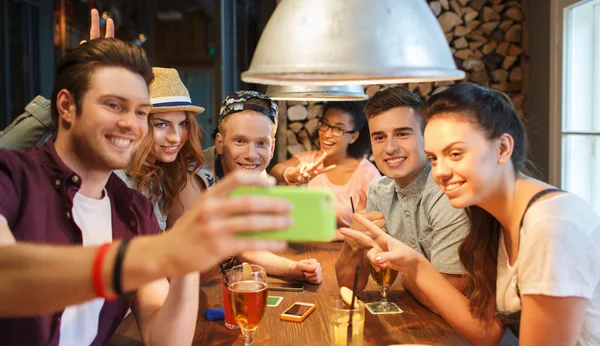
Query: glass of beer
[
  {"x": 385, "y": 277},
  {"x": 248, "y": 297},
  {"x": 340, "y": 333}
]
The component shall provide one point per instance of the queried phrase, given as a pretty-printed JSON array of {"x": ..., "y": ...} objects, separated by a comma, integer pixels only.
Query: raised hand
[
  {"x": 207, "y": 232},
  {"x": 386, "y": 251},
  {"x": 306, "y": 171},
  {"x": 95, "y": 26}
]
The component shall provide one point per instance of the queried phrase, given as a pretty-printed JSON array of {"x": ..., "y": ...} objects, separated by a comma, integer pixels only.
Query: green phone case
[{"x": 313, "y": 213}]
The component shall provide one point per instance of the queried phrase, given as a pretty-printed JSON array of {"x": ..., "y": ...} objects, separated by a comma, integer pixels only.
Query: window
[{"x": 580, "y": 96}]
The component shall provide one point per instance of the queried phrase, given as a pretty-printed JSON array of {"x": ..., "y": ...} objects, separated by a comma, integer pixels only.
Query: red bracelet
[{"x": 97, "y": 273}]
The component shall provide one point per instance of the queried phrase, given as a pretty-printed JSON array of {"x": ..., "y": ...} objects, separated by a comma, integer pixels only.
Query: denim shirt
[
  {"x": 420, "y": 216},
  {"x": 37, "y": 191}
]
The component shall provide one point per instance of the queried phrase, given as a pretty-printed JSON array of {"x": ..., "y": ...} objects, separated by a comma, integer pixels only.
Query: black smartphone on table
[{"x": 286, "y": 286}]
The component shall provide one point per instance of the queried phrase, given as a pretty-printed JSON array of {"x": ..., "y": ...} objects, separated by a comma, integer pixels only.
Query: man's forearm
[
  {"x": 40, "y": 278},
  {"x": 345, "y": 266},
  {"x": 273, "y": 264},
  {"x": 175, "y": 322}
]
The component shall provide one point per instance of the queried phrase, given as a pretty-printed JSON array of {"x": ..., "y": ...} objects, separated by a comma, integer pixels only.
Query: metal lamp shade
[
  {"x": 333, "y": 42},
  {"x": 317, "y": 92}
]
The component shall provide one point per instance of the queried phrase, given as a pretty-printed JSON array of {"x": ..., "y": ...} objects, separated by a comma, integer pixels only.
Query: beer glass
[{"x": 248, "y": 298}]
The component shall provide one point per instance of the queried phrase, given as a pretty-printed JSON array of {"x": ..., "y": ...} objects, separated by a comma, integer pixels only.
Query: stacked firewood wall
[{"x": 489, "y": 41}]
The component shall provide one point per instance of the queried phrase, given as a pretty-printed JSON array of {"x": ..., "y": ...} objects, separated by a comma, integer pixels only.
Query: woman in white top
[{"x": 533, "y": 254}]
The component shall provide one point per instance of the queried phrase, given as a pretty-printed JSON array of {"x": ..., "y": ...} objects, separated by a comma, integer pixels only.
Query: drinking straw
[
  {"x": 354, "y": 287},
  {"x": 352, "y": 204}
]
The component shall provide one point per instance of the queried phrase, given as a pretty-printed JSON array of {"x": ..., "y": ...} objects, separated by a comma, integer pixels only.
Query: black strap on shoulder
[
  {"x": 535, "y": 198},
  {"x": 531, "y": 201}
]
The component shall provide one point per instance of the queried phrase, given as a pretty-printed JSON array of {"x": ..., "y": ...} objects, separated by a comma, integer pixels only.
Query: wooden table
[{"x": 417, "y": 325}]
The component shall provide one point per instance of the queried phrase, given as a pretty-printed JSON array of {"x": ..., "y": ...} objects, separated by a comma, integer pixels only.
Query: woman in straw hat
[{"x": 161, "y": 166}]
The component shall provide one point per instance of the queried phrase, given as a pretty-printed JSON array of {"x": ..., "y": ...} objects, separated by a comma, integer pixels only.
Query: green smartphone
[{"x": 313, "y": 213}]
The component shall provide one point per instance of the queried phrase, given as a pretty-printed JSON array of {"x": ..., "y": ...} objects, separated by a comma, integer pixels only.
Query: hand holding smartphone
[
  {"x": 313, "y": 213},
  {"x": 298, "y": 312}
]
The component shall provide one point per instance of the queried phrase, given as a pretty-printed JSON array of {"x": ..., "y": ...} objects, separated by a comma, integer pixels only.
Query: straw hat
[{"x": 168, "y": 94}]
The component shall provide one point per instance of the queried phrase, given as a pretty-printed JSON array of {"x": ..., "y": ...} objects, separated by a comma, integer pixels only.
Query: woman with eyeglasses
[{"x": 340, "y": 165}]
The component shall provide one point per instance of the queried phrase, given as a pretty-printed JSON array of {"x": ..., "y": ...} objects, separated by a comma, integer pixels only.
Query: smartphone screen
[
  {"x": 313, "y": 213},
  {"x": 297, "y": 309}
]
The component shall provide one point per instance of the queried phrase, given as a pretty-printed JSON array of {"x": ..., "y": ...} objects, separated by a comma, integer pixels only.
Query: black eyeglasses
[{"x": 336, "y": 130}]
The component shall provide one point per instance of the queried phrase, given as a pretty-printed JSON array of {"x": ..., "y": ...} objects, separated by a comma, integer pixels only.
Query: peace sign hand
[
  {"x": 305, "y": 172},
  {"x": 95, "y": 26},
  {"x": 386, "y": 251}
]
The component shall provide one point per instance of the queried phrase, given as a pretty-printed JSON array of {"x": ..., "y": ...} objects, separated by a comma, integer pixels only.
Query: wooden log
[
  {"x": 503, "y": 48},
  {"x": 445, "y": 4},
  {"x": 436, "y": 7},
  {"x": 413, "y": 86},
  {"x": 455, "y": 7},
  {"x": 304, "y": 138},
  {"x": 473, "y": 64},
  {"x": 476, "y": 35},
  {"x": 496, "y": 36},
  {"x": 497, "y": 2},
  {"x": 499, "y": 75},
  {"x": 489, "y": 14},
  {"x": 460, "y": 43},
  {"x": 425, "y": 88},
  {"x": 460, "y": 31},
  {"x": 296, "y": 126},
  {"x": 464, "y": 3},
  {"x": 314, "y": 111},
  {"x": 498, "y": 8},
  {"x": 478, "y": 54},
  {"x": 463, "y": 53},
  {"x": 509, "y": 60},
  {"x": 297, "y": 112},
  {"x": 473, "y": 25},
  {"x": 492, "y": 61},
  {"x": 515, "y": 50},
  {"x": 513, "y": 34},
  {"x": 515, "y": 86},
  {"x": 489, "y": 47},
  {"x": 474, "y": 45},
  {"x": 477, "y": 4},
  {"x": 311, "y": 126},
  {"x": 513, "y": 14},
  {"x": 480, "y": 77},
  {"x": 516, "y": 74},
  {"x": 514, "y": 3},
  {"x": 488, "y": 27},
  {"x": 505, "y": 25},
  {"x": 372, "y": 89},
  {"x": 448, "y": 20},
  {"x": 291, "y": 137},
  {"x": 470, "y": 16}
]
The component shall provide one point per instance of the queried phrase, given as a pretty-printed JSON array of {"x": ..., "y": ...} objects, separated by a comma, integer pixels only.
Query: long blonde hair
[{"x": 161, "y": 181}]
